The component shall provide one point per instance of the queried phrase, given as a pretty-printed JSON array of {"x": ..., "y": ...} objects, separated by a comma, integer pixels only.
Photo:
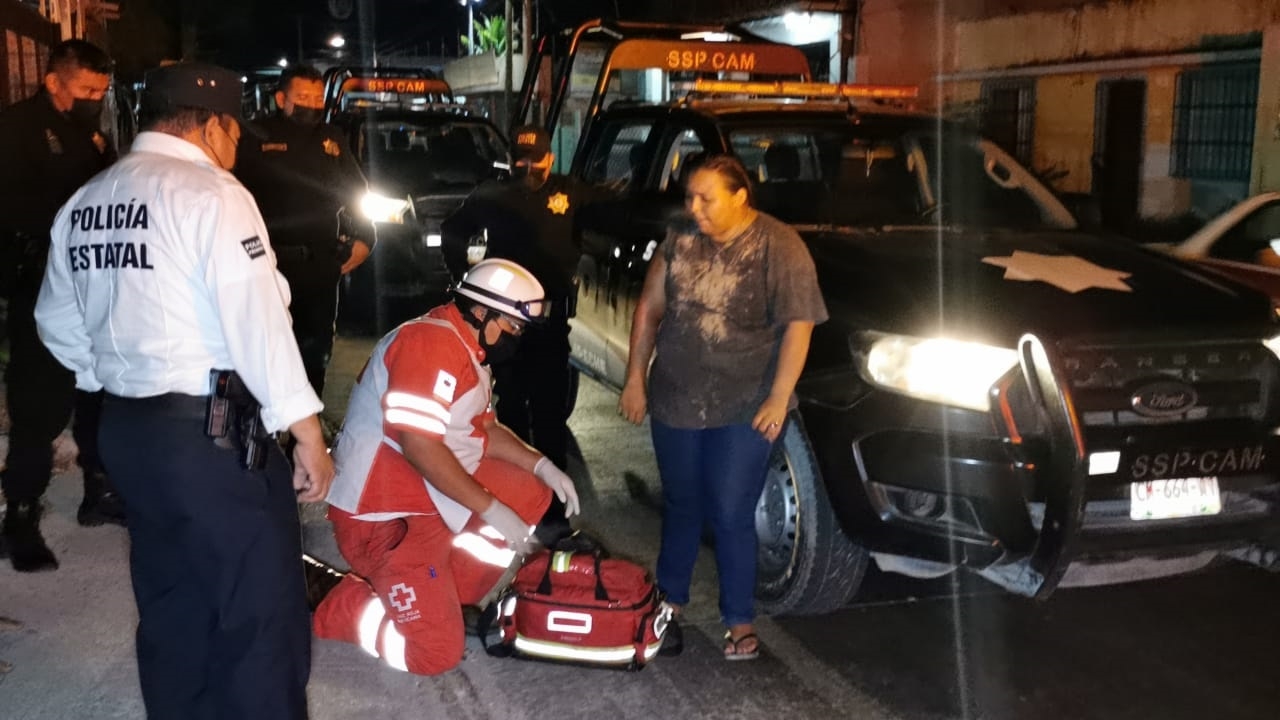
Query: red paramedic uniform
[{"x": 416, "y": 555}]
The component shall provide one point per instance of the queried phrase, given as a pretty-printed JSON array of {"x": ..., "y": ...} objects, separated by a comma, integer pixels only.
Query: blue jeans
[{"x": 713, "y": 477}]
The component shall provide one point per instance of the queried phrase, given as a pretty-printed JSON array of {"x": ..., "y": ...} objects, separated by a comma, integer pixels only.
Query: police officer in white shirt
[{"x": 160, "y": 276}]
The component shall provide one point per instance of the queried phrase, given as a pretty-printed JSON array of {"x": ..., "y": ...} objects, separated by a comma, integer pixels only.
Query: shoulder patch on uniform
[
  {"x": 331, "y": 148},
  {"x": 445, "y": 386},
  {"x": 274, "y": 147},
  {"x": 253, "y": 247}
]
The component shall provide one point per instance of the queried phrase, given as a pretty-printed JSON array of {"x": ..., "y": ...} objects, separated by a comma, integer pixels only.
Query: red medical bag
[{"x": 581, "y": 607}]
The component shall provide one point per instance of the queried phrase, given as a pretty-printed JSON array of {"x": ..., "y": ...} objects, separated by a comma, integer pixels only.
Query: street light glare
[
  {"x": 337, "y": 41},
  {"x": 283, "y": 62}
]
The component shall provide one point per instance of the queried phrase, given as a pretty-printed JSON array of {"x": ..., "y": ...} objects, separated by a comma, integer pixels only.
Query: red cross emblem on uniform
[{"x": 402, "y": 597}]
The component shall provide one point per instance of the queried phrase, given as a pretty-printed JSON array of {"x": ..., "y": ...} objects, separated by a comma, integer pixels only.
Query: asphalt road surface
[{"x": 1201, "y": 647}]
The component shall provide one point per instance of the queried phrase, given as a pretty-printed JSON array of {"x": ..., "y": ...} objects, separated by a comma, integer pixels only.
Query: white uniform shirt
[{"x": 160, "y": 270}]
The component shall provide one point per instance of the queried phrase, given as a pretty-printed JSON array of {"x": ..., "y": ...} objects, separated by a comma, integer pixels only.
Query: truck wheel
[{"x": 806, "y": 564}]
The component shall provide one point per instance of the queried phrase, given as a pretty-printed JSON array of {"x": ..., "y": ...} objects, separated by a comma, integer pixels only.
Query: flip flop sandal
[{"x": 733, "y": 648}]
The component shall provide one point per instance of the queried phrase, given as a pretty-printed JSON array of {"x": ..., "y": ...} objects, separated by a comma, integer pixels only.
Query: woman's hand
[
  {"x": 634, "y": 403},
  {"x": 770, "y": 417}
]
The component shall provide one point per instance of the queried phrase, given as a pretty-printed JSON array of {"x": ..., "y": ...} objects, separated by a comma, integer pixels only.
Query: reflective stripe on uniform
[
  {"x": 370, "y": 623},
  {"x": 426, "y": 406},
  {"x": 483, "y": 550},
  {"x": 393, "y": 645},
  {"x": 398, "y": 416}
]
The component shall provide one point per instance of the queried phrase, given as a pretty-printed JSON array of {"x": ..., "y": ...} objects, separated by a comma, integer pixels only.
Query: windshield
[
  {"x": 424, "y": 156},
  {"x": 855, "y": 175}
]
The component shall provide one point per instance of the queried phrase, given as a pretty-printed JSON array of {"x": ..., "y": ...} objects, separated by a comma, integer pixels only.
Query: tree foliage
[{"x": 490, "y": 36}]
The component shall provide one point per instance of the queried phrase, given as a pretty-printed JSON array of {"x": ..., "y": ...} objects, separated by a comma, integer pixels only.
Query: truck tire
[{"x": 806, "y": 564}]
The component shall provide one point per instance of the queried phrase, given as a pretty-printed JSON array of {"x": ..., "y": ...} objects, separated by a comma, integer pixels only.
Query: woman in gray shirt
[{"x": 728, "y": 305}]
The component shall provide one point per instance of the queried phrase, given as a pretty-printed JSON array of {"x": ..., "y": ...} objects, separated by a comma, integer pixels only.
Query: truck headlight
[
  {"x": 382, "y": 209},
  {"x": 952, "y": 372},
  {"x": 1274, "y": 343}
]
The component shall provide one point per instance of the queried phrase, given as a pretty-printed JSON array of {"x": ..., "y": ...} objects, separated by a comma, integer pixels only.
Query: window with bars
[
  {"x": 1008, "y": 115},
  {"x": 1213, "y": 121}
]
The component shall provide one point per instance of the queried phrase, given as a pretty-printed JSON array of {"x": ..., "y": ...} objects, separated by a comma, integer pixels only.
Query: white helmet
[{"x": 506, "y": 287}]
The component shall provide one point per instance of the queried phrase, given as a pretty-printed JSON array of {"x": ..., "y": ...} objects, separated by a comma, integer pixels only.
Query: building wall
[
  {"x": 1076, "y": 46},
  {"x": 1064, "y": 130},
  {"x": 720, "y": 11},
  {"x": 899, "y": 42},
  {"x": 25, "y": 39},
  {"x": 1266, "y": 142},
  {"x": 1115, "y": 29}
]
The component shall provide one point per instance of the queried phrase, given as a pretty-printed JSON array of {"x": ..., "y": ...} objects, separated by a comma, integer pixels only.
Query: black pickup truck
[
  {"x": 422, "y": 154},
  {"x": 996, "y": 390}
]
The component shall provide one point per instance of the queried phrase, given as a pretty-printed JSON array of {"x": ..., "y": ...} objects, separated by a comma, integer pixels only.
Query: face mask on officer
[
  {"x": 306, "y": 116},
  {"x": 79, "y": 93},
  {"x": 221, "y": 142},
  {"x": 86, "y": 112},
  {"x": 531, "y": 173}
]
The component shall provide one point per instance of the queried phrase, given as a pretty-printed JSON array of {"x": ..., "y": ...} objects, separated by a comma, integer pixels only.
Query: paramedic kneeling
[{"x": 434, "y": 499}]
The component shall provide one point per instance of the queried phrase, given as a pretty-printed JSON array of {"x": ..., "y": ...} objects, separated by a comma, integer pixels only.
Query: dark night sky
[{"x": 250, "y": 33}]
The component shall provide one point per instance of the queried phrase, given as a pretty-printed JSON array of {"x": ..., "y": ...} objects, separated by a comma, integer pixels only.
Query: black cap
[
  {"x": 196, "y": 85},
  {"x": 531, "y": 143}
]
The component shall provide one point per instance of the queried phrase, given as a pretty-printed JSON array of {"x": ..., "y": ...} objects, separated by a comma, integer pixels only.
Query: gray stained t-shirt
[{"x": 727, "y": 309}]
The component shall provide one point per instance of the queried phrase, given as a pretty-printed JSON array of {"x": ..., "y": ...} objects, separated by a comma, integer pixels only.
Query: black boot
[
  {"x": 321, "y": 578},
  {"x": 27, "y": 550},
  {"x": 101, "y": 504}
]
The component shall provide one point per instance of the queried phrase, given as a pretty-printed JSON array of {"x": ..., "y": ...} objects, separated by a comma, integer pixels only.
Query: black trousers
[
  {"x": 223, "y": 627},
  {"x": 532, "y": 389},
  {"x": 313, "y": 287},
  {"x": 42, "y": 397}
]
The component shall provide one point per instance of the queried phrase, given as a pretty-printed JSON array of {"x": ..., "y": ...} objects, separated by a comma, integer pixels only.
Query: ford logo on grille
[{"x": 1164, "y": 398}]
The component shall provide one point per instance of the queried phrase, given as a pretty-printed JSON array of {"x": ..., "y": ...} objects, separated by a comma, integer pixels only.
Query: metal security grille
[
  {"x": 1214, "y": 113},
  {"x": 1008, "y": 115}
]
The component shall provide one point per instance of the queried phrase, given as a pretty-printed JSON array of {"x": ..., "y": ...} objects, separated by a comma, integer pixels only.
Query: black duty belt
[{"x": 177, "y": 404}]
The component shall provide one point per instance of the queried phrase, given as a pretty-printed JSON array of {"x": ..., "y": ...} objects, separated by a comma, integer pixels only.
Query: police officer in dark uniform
[
  {"x": 307, "y": 183},
  {"x": 50, "y": 145},
  {"x": 530, "y": 219}
]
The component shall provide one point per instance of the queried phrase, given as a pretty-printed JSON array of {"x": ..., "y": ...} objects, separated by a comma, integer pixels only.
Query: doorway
[{"x": 1119, "y": 123}]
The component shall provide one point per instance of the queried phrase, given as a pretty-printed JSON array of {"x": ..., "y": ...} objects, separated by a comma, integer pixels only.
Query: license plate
[
  {"x": 1179, "y": 497},
  {"x": 1199, "y": 463}
]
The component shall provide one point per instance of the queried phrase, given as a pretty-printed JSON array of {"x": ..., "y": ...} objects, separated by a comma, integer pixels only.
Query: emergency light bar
[
  {"x": 396, "y": 85},
  {"x": 800, "y": 89}
]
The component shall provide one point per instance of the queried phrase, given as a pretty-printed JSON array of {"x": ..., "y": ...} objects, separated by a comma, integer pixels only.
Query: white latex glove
[
  {"x": 509, "y": 525},
  {"x": 560, "y": 483}
]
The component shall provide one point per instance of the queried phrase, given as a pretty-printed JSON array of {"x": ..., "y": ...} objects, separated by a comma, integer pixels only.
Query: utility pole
[
  {"x": 507, "y": 104},
  {"x": 526, "y": 31}
]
